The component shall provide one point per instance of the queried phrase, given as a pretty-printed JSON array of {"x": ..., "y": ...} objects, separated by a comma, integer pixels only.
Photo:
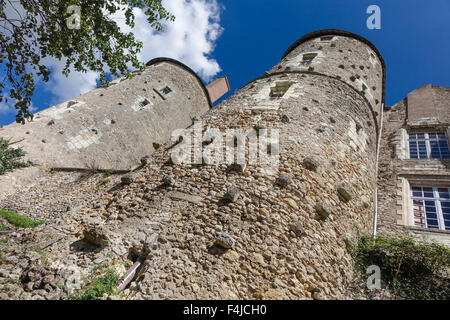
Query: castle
[{"x": 229, "y": 231}]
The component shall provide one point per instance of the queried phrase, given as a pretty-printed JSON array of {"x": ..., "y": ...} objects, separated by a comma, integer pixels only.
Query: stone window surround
[{"x": 404, "y": 206}]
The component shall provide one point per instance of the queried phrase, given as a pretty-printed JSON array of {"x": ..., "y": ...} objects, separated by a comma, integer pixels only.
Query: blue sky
[{"x": 248, "y": 37}]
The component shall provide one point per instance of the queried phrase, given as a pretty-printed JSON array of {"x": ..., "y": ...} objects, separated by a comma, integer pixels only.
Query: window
[
  {"x": 166, "y": 90},
  {"x": 307, "y": 59},
  {"x": 428, "y": 146},
  {"x": 142, "y": 104},
  {"x": 326, "y": 38},
  {"x": 281, "y": 87},
  {"x": 431, "y": 207}
]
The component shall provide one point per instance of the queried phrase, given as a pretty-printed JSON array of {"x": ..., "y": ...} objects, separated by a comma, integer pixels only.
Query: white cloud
[
  {"x": 4, "y": 108},
  {"x": 9, "y": 108},
  {"x": 189, "y": 39}
]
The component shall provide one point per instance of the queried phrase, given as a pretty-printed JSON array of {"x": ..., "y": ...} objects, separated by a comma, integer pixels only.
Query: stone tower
[
  {"x": 230, "y": 231},
  {"x": 112, "y": 127}
]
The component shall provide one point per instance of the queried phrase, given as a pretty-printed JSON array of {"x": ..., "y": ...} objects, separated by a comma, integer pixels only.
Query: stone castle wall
[
  {"x": 109, "y": 127},
  {"x": 286, "y": 241}
]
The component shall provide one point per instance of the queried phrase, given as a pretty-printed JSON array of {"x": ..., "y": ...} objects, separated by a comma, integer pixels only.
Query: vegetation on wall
[
  {"x": 10, "y": 158},
  {"x": 19, "y": 220},
  {"x": 410, "y": 268},
  {"x": 100, "y": 283}
]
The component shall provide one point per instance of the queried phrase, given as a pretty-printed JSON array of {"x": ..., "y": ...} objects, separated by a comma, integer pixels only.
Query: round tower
[
  {"x": 236, "y": 231},
  {"x": 117, "y": 125},
  {"x": 342, "y": 55}
]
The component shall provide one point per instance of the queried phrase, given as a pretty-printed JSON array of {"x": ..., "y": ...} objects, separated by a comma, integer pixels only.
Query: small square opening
[
  {"x": 326, "y": 38},
  {"x": 166, "y": 90}
]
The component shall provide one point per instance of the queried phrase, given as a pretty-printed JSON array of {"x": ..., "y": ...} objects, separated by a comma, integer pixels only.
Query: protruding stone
[
  {"x": 128, "y": 178},
  {"x": 168, "y": 181},
  {"x": 285, "y": 119},
  {"x": 225, "y": 241},
  {"x": 296, "y": 228},
  {"x": 96, "y": 235},
  {"x": 311, "y": 164},
  {"x": 231, "y": 195},
  {"x": 283, "y": 180},
  {"x": 292, "y": 203},
  {"x": 345, "y": 191},
  {"x": 316, "y": 295},
  {"x": 323, "y": 209},
  {"x": 332, "y": 120},
  {"x": 365, "y": 202}
]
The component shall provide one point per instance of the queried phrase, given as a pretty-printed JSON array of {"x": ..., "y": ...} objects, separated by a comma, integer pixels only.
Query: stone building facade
[{"x": 414, "y": 175}]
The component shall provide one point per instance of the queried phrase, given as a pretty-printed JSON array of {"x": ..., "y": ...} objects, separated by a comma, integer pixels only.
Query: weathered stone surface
[{"x": 184, "y": 196}]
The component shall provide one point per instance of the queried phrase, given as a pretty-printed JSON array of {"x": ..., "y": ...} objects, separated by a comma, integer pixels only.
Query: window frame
[
  {"x": 307, "y": 58},
  {"x": 427, "y": 140},
  {"x": 438, "y": 205}
]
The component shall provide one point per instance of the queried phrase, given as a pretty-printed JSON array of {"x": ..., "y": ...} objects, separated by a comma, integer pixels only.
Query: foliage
[
  {"x": 2, "y": 226},
  {"x": 86, "y": 37},
  {"x": 99, "y": 285},
  {"x": 412, "y": 268},
  {"x": 20, "y": 221},
  {"x": 104, "y": 181},
  {"x": 10, "y": 158}
]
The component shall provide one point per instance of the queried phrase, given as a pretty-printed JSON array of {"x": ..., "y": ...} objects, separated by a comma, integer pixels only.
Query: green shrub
[
  {"x": 10, "y": 158},
  {"x": 413, "y": 269},
  {"x": 2, "y": 226},
  {"x": 98, "y": 286},
  {"x": 20, "y": 221}
]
